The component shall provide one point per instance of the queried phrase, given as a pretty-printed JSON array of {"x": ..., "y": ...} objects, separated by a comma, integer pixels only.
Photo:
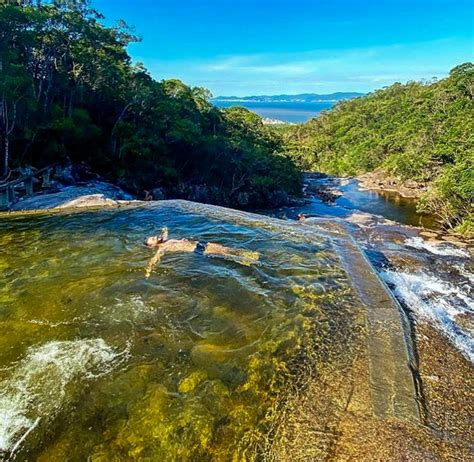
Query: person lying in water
[{"x": 165, "y": 245}]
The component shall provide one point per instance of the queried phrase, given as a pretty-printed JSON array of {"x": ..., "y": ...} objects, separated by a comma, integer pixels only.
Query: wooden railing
[{"x": 8, "y": 195}]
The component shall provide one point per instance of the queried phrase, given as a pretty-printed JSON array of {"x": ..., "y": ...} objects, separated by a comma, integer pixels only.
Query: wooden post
[
  {"x": 11, "y": 195},
  {"x": 28, "y": 182},
  {"x": 4, "y": 203},
  {"x": 46, "y": 178}
]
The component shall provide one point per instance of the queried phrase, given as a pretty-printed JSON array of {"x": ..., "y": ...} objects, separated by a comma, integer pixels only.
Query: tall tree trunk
[
  {"x": 113, "y": 138},
  {"x": 6, "y": 129}
]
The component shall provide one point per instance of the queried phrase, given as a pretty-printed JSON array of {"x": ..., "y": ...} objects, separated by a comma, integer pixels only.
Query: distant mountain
[{"x": 303, "y": 98}]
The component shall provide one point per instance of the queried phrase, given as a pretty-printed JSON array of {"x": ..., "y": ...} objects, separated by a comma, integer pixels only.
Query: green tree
[
  {"x": 68, "y": 88},
  {"x": 420, "y": 132}
]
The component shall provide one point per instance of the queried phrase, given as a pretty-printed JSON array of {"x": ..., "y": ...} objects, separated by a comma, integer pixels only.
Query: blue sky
[{"x": 255, "y": 47}]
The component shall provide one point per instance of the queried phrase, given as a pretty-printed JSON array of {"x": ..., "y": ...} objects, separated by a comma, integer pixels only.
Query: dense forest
[
  {"x": 69, "y": 90},
  {"x": 421, "y": 132}
]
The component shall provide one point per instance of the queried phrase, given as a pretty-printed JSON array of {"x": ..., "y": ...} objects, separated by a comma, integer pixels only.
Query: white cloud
[{"x": 351, "y": 69}]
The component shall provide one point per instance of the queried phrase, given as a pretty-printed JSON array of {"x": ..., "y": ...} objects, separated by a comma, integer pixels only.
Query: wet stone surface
[{"x": 431, "y": 274}]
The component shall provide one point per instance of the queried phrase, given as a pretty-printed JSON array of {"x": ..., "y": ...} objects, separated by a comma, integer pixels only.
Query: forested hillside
[
  {"x": 418, "y": 131},
  {"x": 68, "y": 89}
]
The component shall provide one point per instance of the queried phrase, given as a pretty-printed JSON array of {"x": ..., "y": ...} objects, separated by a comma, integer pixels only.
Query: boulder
[
  {"x": 92, "y": 194},
  {"x": 65, "y": 175},
  {"x": 199, "y": 193}
]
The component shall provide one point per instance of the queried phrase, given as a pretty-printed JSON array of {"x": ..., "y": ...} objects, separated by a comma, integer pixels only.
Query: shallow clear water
[{"x": 98, "y": 362}]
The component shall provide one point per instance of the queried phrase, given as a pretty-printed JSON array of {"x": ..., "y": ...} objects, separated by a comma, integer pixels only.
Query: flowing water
[
  {"x": 432, "y": 278},
  {"x": 99, "y": 363},
  {"x": 349, "y": 197},
  {"x": 196, "y": 363}
]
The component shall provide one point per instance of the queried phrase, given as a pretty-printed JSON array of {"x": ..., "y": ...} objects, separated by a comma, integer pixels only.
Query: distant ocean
[{"x": 294, "y": 112}]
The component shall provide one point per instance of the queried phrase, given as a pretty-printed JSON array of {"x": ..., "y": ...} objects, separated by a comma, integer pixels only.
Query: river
[
  {"x": 431, "y": 276},
  {"x": 197, "y": 362}
]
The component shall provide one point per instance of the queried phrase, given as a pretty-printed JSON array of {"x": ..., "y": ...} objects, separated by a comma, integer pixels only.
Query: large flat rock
[{"x": 89, "y": 195}]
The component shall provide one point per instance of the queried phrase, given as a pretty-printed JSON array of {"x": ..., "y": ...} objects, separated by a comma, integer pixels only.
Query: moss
[
  {"x": 466, "y": 228},
  {"x": 190, "y": 382}
]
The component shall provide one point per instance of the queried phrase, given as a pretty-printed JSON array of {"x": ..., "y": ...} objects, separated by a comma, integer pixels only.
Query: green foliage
[
  {"x": 68, "y": 89},
  {"x": 451, "y": 196},
  {"x": 419, "y": 131}
]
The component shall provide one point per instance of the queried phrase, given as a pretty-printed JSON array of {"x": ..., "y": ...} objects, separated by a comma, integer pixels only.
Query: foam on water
[
  {"x": 36, "y": 390},
  {"x": 132, "y": 310},
  {"x": 133, "y": 307},
  {"x": 440, "y": 249},
  {"x": 438, "y": 302},
  {"x": 463, "y": 271}
]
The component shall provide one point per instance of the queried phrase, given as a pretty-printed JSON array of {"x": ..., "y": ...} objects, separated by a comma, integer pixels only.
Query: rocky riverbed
[
  {"x": 195, "y": 362},
  {"x": 378, "y": 180}
]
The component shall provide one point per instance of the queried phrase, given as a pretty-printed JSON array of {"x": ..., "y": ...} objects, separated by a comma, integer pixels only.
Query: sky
[{"x": 257, "y": 47}]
